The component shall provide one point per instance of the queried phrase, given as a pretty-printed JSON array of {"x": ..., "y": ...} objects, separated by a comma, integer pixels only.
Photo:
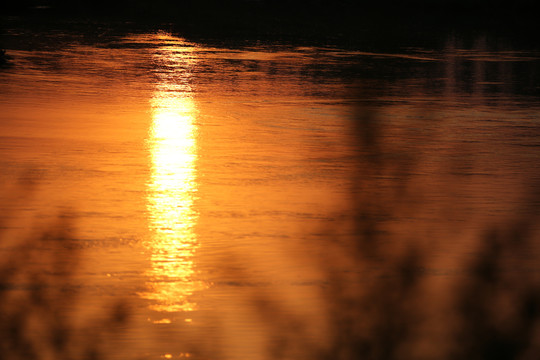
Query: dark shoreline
[{"x": 346, "y": 23}]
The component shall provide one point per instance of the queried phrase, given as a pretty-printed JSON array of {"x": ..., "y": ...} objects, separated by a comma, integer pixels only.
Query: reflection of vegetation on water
[{"x": 39, "y": 314}]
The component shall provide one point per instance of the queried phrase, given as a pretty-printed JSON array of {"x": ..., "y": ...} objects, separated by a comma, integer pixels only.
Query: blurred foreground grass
[
  {"x": 426, "y": 275},
  {"x": 40, "y": 316}
]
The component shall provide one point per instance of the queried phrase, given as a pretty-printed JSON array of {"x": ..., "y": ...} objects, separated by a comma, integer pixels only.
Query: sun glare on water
[{"x": 172, "y": 187}]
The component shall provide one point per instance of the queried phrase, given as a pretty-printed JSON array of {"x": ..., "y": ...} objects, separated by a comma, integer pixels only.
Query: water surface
[{"x": 205, "y": 179}]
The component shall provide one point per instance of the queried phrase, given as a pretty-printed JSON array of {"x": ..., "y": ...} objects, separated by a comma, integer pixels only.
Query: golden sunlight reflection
[{"x": 172, "y": 143}]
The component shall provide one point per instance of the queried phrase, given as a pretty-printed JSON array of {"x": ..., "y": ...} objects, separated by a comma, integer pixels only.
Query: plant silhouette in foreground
[
  {"x": 422, "y": 276},
  {"x": 39, "y": 296}
]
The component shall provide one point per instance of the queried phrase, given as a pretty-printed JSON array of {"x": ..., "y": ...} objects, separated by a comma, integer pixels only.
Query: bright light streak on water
[{"x": 172, "y": 143}]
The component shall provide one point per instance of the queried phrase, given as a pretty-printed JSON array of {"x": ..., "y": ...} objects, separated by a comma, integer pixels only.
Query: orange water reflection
[{"x": 172, "y": 143}]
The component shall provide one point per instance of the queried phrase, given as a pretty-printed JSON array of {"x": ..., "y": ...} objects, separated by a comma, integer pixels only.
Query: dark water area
[{"x": 173, "y": 191}]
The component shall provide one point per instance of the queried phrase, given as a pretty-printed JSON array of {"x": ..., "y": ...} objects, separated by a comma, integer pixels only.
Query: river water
[{"x": 202, "y": 180}]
